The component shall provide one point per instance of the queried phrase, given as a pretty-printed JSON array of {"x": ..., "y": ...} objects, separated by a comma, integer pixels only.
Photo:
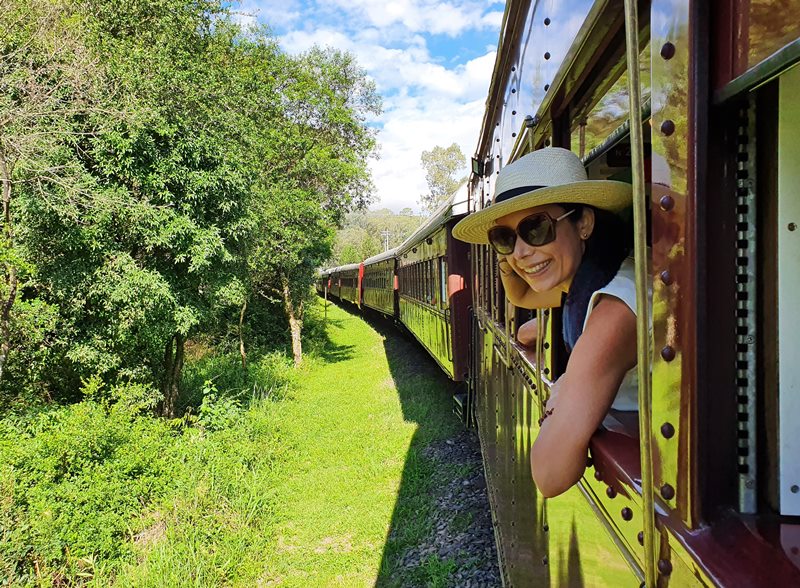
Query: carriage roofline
[{"x": 389, "y": 254}]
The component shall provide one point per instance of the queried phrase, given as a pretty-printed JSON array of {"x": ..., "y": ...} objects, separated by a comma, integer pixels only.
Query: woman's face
[{"x": 553, "y": 265}]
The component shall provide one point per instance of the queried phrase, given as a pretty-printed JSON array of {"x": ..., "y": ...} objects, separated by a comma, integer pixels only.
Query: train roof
[
  {"x": 381, "y": 256},
  {"x": 456, "y": 205},
  {"x": 346, "y": 268}
]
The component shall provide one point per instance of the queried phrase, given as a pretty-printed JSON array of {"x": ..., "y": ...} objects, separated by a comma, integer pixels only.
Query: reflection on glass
[
  {"x": 611, "y": 111},
  {"x": 771, "y": 25}
]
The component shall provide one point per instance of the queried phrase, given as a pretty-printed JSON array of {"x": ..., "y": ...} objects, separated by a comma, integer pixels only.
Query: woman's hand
[
  {"x": 528, "y": 333},
  {"x": 520, "y": 293}
]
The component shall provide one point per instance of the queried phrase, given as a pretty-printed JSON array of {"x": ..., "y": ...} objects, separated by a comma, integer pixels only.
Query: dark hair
[{"x": 607, "y": 247}]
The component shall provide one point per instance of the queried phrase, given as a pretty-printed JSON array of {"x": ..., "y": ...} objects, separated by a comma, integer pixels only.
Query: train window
[{"x": 443, "y": 297}]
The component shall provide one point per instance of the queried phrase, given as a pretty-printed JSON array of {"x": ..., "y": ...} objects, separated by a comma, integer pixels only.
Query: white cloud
[
  {"x": 425, "y": 104},
  {"x": 429, "y": 99},
  {"x": 416, "y": 16}
]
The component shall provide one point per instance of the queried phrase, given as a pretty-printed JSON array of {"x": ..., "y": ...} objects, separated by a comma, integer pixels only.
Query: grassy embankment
[{"x": 297, "y": 483}]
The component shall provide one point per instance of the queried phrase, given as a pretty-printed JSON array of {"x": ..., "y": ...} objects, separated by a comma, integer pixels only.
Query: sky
[{"x": 431, "y": 61}]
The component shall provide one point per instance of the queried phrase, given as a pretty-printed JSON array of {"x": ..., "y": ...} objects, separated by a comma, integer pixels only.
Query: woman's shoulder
[{"x": 621, "y": 286}]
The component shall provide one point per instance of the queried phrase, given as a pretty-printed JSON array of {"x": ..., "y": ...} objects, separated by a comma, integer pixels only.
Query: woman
[{"x": 559, "y": 236}]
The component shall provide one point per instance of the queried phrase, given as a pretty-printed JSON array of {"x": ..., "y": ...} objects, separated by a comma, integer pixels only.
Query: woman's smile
[{"x": 537, "y": 269}]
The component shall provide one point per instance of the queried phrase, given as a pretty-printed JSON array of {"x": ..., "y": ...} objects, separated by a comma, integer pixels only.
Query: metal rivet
[
  {"x": 598, "y": 475},
  {"x": 546, "y": 87},
  {"x": 792, "y": 226},
  {"x": 513, "y": 68},
  {"x": 640, "y": 538},
  {"x": 667, "y": 127},
  {"x": 668, "y": 353},
  {"x": 544, "y": 560},
  {"x": 547, "y": 55},
  {"x": 667, "y": 203},
  {"x": 513, "y": 134},
  {"x": 667, "y": 492},
  {"x": 546, "y": 528},
  {"x": 589, "y": 462},
  {"x": 513, "y": 90},
  {"x": 497, "y": 124},
  {"x": 610, "y": 492},
  {"x": 497, "y": 140},
  {"x": 513, "y": 112},
  {"x": 547, "y": 22},
  {"x": 546, "y": 345},
  {"x": 667, "y": 50},
  {"x": 664, "y": 567},
  {"x": 795, "y": 489},
  {"x": 667, "y": 430},
  {"x": 666, "y": 277},
  {"x": 627, "y": 513}
]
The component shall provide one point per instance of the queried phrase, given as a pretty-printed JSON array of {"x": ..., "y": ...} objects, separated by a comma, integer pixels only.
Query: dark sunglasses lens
[
  {"x": 502, "y": 240},
  {"x": 536, "y": 230}
]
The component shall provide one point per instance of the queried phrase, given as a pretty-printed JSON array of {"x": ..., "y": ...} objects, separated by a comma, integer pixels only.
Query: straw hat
[{"x": 547, "y": 176}]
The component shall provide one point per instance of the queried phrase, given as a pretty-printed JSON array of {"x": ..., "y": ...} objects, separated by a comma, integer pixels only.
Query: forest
[{"x": 171, "y": 180}]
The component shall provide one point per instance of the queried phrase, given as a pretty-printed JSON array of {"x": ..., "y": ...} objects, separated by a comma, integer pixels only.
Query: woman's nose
[{"x": 521, "y": 249}]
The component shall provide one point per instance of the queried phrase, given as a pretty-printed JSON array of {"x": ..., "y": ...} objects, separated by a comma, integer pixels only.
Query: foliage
[
  {"x": 77, "y": 482},
  {"x": 193, "y": 172},
  {"x": 365, "y": 234},
  {"x": 443, "y": 167}
]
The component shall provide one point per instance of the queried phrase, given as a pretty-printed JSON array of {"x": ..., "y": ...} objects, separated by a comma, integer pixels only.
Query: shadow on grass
[{"x": 425, "y": 395}]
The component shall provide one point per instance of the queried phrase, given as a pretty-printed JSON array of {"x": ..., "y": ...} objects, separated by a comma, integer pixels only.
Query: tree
[
  {"x": 444, "y": 167},
  {"x": 318, "y": 173},
  {"x": 49, "y": 84}
]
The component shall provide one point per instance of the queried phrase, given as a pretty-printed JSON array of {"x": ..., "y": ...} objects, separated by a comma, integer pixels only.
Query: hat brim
[{"x": 603, "y": 194}]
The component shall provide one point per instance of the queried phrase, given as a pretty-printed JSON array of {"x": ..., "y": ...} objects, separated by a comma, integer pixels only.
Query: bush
[{"x": 72, "y": 480}]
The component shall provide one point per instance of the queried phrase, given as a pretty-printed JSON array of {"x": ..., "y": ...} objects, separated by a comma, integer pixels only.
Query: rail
[{"x": 642, "y": 303}]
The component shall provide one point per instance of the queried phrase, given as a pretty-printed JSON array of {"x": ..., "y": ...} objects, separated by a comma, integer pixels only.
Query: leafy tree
[
  {"x": 319, "y": 173},
  {"x": 444, "y": 172},
  {"x": 50, "y": 87}
]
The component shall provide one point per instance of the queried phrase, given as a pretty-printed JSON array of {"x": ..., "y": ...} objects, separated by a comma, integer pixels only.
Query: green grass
[
  {"x": 314, "y": 477},
  {"x": 357, "y": 471}
]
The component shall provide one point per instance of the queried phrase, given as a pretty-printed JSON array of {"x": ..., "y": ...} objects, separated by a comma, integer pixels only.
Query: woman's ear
[{"x": 585, "y": 224}]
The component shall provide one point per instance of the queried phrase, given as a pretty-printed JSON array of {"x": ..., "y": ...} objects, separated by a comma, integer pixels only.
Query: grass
[
  {"x": 357, "y": 471},
  {"x": 315, "y": 477}
]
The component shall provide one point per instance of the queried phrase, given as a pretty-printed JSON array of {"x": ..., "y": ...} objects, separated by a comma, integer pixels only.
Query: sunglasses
[{"x": 536, "y": 230}]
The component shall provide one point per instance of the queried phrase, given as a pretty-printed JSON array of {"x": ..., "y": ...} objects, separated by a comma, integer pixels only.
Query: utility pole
[{"x": 385, "y": 234}]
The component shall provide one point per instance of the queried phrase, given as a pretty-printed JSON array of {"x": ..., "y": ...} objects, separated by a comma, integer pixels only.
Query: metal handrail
[{"x": 642, "y": 303}]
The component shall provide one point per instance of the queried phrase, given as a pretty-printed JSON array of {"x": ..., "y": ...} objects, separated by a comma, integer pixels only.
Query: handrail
[{"x": 642, "y": 303}]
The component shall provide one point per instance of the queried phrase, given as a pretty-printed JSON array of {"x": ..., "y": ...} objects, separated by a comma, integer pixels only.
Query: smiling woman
[{"x": 559, "y": 236}]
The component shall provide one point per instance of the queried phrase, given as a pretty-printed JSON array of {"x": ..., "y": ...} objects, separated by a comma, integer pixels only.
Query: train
[{"x": 695, "y": 104}]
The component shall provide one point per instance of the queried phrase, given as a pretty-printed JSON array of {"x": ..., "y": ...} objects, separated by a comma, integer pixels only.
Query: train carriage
[
  {"x": 701, "y": 486},
  {"x": 347, "y": 283},
  {"x": 379, "y": 286},
  {"x": 433, "y": 294}
]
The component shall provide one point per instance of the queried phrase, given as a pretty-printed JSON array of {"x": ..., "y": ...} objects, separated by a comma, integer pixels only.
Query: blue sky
[{"x": 431, "y": 60}]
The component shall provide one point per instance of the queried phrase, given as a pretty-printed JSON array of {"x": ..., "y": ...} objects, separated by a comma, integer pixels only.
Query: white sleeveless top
[{"x": 623, "y": 286}]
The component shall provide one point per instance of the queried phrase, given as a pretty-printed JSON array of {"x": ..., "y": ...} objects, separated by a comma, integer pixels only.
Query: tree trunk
[
  {"x": 173, "y": 366},
  {"x": 241, "y": 337},
  {"x": 294, "y": 314},
  {"x": 10, "y": 273}
]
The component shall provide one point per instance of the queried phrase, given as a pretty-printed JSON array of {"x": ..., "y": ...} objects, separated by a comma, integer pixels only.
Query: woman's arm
[
  {"x": 604, "y": 352},
  {"x": 519, "y": 292}
]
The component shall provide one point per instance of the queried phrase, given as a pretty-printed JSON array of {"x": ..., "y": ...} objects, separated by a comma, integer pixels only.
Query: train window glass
[
  {"x": 590, "y": 129},
  {"x": 443, "y": 281}
]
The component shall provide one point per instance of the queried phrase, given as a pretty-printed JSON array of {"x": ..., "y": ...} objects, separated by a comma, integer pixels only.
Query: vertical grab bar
[{"x": 642, "y": 304}]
